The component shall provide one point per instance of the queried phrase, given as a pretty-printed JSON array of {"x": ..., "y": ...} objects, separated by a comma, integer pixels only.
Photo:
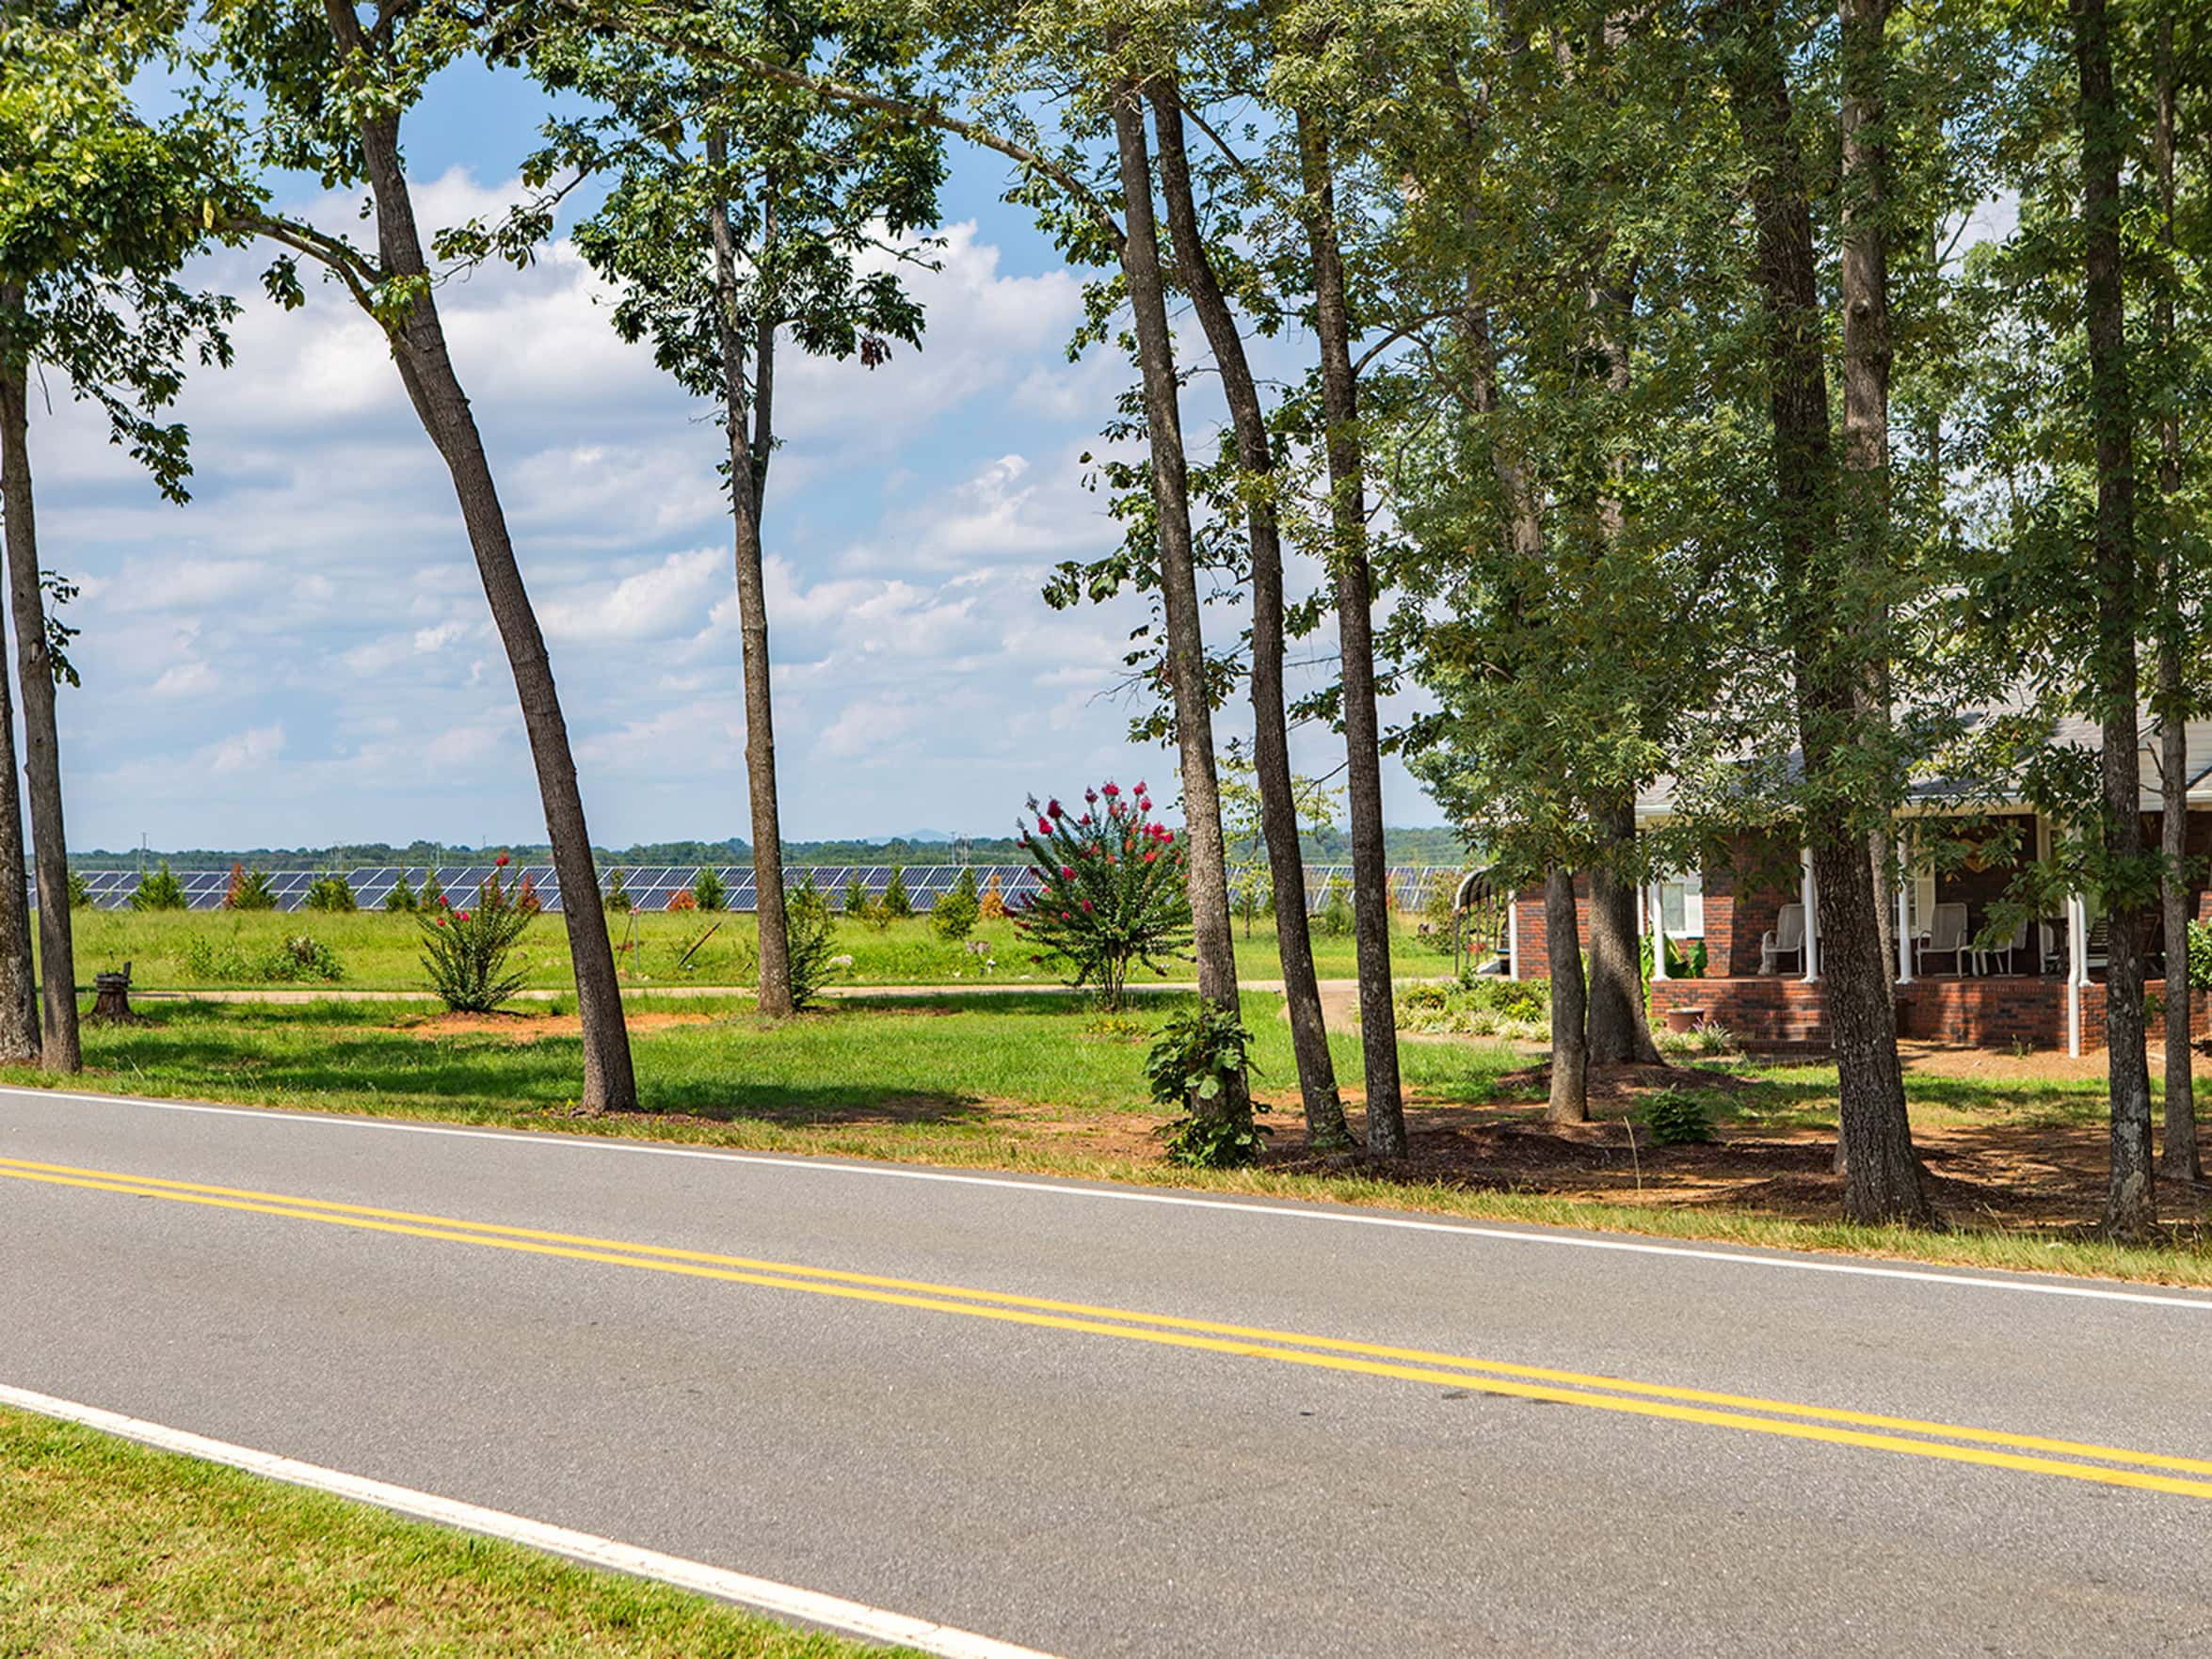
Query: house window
[{"x": 1682, "y": 905}]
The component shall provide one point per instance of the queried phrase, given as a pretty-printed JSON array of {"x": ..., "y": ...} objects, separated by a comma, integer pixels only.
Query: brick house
[{"x": 1761, "y": 970}]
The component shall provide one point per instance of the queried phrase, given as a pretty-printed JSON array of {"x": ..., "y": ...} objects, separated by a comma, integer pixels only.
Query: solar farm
[{"x": 654, "y": 887}]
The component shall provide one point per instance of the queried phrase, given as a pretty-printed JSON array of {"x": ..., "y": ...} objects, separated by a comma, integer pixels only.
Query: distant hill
[{"x": 1325, "y": 846}]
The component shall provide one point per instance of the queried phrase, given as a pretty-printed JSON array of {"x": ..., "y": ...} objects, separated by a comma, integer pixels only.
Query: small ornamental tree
[
  {"x": 707, "y": 891},
  {"x": 249, "y": 890},
  {"x": 897, "y": 906},
  {"x": 857, "y": 904},
  {"x": 159, "y": 891},
  {"x": 80, "y": 895},
  {"x": 401, "y": 896},
  {"x": 526, "y": 899},
  {"x": 813, "y": 938},
  {"x": 617, "y": 894},
  {"x": 433, "y": 892},
  {"x": 333, "y": 893},
  {"x": 465, "y": 952},
  {"x": 1112, "y": 893},
  {"x": 955, "y": 916},
  {"x": 992, "y": 905}
]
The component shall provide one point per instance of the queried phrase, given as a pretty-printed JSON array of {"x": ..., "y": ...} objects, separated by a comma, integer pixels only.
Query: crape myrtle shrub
[
  {"x": 465, "y": 950},
  {"x": 1113, "y": 895}
]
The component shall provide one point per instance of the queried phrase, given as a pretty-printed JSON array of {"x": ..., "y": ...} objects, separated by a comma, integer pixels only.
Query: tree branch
[{"x": 928, "y": 115}]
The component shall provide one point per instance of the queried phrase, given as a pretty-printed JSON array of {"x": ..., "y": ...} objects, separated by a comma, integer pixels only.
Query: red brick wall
[
  {"x": 1970, "y": 1013},
  {"x": 1535, "y": 938}
]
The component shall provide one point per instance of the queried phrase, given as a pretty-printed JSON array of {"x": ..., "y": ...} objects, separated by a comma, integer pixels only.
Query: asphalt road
[{"x": 1011, "y": 1405}]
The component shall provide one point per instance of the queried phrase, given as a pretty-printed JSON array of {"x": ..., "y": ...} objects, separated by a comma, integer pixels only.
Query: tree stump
[{"x": 111, "y": 999}]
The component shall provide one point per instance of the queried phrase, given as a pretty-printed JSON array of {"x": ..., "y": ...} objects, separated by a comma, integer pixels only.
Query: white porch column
[
  {"x": 1904, "y": 938},
  {"x": 2077, "y": 967},
  {"x": 1512, "y": 936},
  {"x": 1656, "y": 907},
  {"x": 1812, "y": 920}
]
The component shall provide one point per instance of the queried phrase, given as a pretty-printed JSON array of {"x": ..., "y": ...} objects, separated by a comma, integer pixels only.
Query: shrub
[
  {"x": 79, "y": 894},
  {"x": 300, "y": 958},
  {"x": 333, "y": 893},
  {"x": 1333, "y": 917},
  {"x": 855, "y": 899},
  {"x": 991, "y": 906},
  {"x": 465, "y": 952},
  {"x": 2200, "y": 955},
  {"x": 810, "y": 939},
  {"x": 402, "y": 897},
  {"x": 1518, "y": 999},
  {"x": 895, "y": 900},
  {"x": 433, "y": 895},
  {"x": 617, "y": 898},
  {"x": 1437, "y": 915},
  {"x": 708, "y": 892},
  {"x": 249, "y": 890},
  {"x": 1676, "y": 1117},
  {"x": 159, "y": 891},
  {"x": 1201, "y": 1056},
  {"x": 955, "y": 916},
  {"x": 526, "y": 899},
  {"x": 1113, "y": 892},
  {"x": 684, "y": 900}
]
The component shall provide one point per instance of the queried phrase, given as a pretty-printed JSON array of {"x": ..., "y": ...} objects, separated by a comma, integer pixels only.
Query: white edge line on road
[
  {"x": 2053, "y": 1287},
  {"x": 763, "y": 1595}
]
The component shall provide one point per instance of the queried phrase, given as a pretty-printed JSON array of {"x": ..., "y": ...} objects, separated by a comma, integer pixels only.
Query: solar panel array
[{"x": 653, "y": 887}]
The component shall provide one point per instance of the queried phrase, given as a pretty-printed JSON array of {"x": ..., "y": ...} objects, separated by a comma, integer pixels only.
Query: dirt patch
[{"x": 522, "y": 1026}]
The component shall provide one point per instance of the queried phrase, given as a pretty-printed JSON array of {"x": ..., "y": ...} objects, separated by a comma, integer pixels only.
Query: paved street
[{"x": 1128, "y": 1421}]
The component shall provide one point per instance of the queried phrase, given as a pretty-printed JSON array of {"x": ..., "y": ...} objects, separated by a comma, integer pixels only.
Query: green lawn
[
  {"x": 110, "y": 1548},
  {"x": 219, "y": 950},
  {"x": 935, "y": 1074}
]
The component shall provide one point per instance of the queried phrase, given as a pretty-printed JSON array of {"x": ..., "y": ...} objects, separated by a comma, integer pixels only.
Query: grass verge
[{"x": 110, "y": 1548}]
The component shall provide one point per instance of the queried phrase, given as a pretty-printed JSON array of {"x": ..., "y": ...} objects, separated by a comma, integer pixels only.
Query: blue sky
[{"x": 303, "y": 655}]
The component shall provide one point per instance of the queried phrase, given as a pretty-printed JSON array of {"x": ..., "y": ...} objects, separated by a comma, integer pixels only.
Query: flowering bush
[
  {"x": 465, "y": 952},
  {"x": 683, "y": 901},
  {"x": 1111, "y": 891},
  {"x": 991, "y": 906}
]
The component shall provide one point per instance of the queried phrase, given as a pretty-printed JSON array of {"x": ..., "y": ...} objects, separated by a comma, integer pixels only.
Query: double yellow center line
[{"x": 1914, "y": 1437}]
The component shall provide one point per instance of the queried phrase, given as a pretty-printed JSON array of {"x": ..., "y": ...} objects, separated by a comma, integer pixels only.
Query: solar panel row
[{"x": 656, "y": 887}]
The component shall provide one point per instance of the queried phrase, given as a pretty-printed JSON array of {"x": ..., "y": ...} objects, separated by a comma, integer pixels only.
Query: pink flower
[
  {"x": 1044, "y": 826},
  {"x": 1065, "y": 916},
  {"x": 501, "y": 861},
  {"x": 1086, "y": 907},
  {"x": 1090, "y": 796},
  {"x": 1141, "y": 786},
  {"x": 464, "y": 915},
  {"x": 1150, "y": 856},
  {"x": 1067, "y": 872},
  {"x": 1111, "y": 791},
  {"x": 441, "y": 921},
  {"x": 1052, "y": 808}
]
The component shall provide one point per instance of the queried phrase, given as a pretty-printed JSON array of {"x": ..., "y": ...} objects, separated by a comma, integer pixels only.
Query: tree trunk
[
  {"x": 1214, "y": 940},
  {"x": 1370, "y": 875},
  {"x": 748, "y": 470},
  {"x": 2178, "y": 1158},
  {"x": 1620, "y": 1028},
  {"x": 1271, "y": 739},
  {"x": 419, "y": 350},
  {"x": 1881, "y": 1182},
  {"x": 18, "y": 997},
  {"x": 2131, "y": 1203},
  {"x": 1867, "y": 354},
  {"x": 1570, "y": 1042},
  {"x": 59, "y": 1050}
]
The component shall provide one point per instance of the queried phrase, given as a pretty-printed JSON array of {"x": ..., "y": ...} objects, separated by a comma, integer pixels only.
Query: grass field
[
  {"x": 221, "y": 949},
  {"x": 1039, "y": 1082},
  {"x": 108, "y": 1548}
]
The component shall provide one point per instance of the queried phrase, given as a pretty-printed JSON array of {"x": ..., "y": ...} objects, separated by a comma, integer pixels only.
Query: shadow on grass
[{"x": 493, "y": 1075}]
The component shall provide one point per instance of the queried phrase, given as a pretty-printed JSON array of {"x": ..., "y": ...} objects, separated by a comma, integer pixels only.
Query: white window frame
[{"x": 1683, "y": 891}]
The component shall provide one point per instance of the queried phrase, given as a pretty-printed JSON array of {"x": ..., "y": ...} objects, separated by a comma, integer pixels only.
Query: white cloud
[
  {"x": 244, "y": 751},
  {"x": 186, "y": 680}
]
